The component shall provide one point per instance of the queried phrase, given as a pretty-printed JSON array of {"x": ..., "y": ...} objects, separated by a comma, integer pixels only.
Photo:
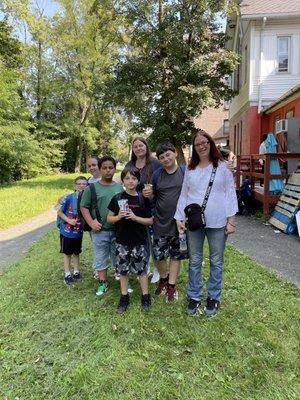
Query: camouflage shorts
[
  {"x": 168, "y": 247},
  {"x": 133, "y": 260}
]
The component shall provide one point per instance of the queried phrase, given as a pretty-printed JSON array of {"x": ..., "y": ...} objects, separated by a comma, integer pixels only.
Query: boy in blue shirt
[{"x": 71, "y": 231}]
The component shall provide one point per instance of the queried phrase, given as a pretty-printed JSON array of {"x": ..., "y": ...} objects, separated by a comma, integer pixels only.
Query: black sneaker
[
  {"x": 68, "y": 279},
  {"x": 123, "y": 303},
  {"x": 77, "y": 276},
  {"x": 211, "y": 307},
  {"x": 145, "y": 302},
  {"x": 193, "y": 307}
]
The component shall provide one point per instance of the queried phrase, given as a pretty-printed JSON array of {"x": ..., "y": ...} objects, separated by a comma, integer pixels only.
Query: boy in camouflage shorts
[
  {"x": 166, "y": 183},
  {"x": 131, "y": 214}
]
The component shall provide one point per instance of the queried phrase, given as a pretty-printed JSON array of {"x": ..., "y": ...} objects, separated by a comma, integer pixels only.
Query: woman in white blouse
[{"x": 219, "y": 214}]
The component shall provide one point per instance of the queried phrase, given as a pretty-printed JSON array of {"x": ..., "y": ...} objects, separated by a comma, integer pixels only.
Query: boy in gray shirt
[{"x": 166, "y": 188}]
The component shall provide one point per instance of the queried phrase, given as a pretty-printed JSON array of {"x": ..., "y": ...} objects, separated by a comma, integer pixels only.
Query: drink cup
[{"x": 123, "y": 205}]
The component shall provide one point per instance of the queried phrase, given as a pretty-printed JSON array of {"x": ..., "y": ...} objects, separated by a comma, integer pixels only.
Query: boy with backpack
[
  {"x": 95, "y": 215},
  {"x": 71, "y": 231},
  {"x": 166, "y": 187},
  {"x": 131, "y": 214}
]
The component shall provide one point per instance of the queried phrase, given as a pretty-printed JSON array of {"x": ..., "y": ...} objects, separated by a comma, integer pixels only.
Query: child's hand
[
  {"x": 122, "y": 214},
  {"x": 148, "y": 192},
  {"x": 96, "y": 225},
  {"x": 180, "y": 226},
  {"x": 130, "y": 215},
  {"x": 72, "y": 221}
]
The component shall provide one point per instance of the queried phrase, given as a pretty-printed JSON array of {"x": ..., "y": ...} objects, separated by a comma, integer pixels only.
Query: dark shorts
[
  {"x": 165, "y": 247},
  {"x": 132, "y": 260},
  {"x": 70, "y": 246}
]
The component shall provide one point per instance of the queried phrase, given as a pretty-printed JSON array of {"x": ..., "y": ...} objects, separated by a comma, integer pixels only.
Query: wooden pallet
[{"x": 288, "y": 205}]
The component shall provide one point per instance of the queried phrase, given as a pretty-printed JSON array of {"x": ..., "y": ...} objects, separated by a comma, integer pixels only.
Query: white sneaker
[
  {"x": 129, "y": 289},
  {"x": 155, "y": 277}
]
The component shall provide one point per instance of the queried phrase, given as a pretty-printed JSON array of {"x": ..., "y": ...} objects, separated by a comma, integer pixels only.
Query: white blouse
[{"x": 222, "y": 201}]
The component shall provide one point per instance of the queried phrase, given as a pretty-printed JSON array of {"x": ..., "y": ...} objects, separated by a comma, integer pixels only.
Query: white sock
[{"x": 67, "y": 273}]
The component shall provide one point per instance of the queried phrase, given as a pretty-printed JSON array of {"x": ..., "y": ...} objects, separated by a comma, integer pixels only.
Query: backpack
[
  {"x": 75, "y": 208},
  {"x": 85, "y": 226}
]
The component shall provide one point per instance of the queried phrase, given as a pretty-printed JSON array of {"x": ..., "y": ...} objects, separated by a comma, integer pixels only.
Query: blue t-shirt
[{"x": 69, "y": 208}]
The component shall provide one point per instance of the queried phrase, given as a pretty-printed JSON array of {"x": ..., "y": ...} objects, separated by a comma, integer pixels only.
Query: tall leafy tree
[
  {"x": 173, "y": 65},
  {"x": 85, "y": 45}
]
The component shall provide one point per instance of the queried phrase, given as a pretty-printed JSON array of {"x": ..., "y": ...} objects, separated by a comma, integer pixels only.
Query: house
[
  {"x": 215, "y": 121},
  {"x": 266, "y": 35}
]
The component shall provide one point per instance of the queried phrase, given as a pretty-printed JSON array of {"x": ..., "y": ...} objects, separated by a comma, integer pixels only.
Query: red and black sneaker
[
  {"x": 172, "y": 294},
  {"x": 162, "y": 286}
]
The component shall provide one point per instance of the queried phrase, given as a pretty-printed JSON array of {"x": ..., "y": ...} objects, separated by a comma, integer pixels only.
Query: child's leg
[
  {"x": 162, "y": 267},
  {"x": 174, "y": 269},
  {"x": 144, "y": 283},
  {"x": 67, "y": 263},
  {"x": 124, "y": 284},
  {"x": 76, "y": 262}
]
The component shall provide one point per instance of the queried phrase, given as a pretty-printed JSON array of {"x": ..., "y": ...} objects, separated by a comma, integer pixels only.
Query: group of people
[{"x": 180, "y": 205}]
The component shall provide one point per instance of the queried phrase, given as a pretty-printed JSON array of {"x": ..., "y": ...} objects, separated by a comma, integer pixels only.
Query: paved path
[
  {"x": 15, "y": 241},
  {"x": 277, "y": 251}
]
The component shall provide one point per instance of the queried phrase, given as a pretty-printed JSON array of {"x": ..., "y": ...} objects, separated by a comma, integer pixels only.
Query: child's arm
[
  {"x": 113, "y": 218},
  {"x": 93, "y": 223},
  {"x": 140, "y": 220},
  {"x": 71, "y": 221}
]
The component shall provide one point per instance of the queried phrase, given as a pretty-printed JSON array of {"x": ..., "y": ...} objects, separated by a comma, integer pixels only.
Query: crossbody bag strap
[
  {"x": 94, "y": 202},
  {"x": 208, "y": 190}
]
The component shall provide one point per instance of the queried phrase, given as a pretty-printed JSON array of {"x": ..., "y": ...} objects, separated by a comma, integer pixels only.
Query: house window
[
  {"x": 226, "y": 105},
  {"x": 283, "y": 53},
  {"x": 277, "y": 118},
  {"x": 226, "y": 127},
  {"x": 290, "y": 114}
]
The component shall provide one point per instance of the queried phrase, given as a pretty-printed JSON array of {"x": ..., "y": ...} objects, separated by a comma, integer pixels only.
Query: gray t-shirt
[{"x": 167, "y": 192}]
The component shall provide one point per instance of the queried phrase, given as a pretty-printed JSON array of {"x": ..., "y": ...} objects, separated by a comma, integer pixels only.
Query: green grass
[
  {"x": 25, "y": 199},
  {"x": 59, "y": 342}
]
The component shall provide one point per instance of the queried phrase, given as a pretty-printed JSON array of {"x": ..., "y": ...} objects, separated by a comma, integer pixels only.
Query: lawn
[
  {"x": 25, "y": 199},
  {"x": 59, "y": 342}
]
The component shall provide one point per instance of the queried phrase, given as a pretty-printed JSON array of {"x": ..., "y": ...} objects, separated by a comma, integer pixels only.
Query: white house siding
[{"x": 273, "y": 84}]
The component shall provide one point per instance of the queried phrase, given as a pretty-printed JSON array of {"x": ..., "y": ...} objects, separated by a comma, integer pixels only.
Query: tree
[
  {"x": 85, "y": 44},
  {"x": 174, "y": 66}
]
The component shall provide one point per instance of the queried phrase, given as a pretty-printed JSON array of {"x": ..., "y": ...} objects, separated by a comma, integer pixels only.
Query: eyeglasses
[{"x": 202, "y": 144}]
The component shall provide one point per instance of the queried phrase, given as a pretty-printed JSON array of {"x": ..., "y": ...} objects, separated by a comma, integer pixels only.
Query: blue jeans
[
  {"x": 216, "y": 241},
  {"x": 104, "y": 246}
]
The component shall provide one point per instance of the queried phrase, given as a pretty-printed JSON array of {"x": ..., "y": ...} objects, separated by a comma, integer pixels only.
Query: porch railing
[{"x": 249, "y": 166}]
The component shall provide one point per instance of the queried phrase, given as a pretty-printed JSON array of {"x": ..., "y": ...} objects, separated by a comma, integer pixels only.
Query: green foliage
[
  {"x": 10, "y": 48},
  {"x": 174, "y": 65},
  {"x": 62, "y": 343}
]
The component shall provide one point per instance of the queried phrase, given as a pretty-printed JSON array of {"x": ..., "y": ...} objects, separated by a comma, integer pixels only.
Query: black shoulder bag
[{"x": 194, "y": 212}]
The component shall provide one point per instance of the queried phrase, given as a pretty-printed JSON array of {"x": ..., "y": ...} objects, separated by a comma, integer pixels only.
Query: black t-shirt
[{"x": 128, "y": 232}]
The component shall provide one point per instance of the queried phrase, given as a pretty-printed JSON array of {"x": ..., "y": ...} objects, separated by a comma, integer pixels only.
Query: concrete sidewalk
[
  {"x": 276, "y": 251},
  {"x": 16, "y": 240}
]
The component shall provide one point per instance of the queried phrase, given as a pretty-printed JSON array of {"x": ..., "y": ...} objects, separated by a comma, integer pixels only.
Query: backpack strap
[
  {"x": 182, "y": 168},
  {"x": 75, "y": 205},
  {"x": 155, "y": 178},
  {"x": 94, "y": 201}
]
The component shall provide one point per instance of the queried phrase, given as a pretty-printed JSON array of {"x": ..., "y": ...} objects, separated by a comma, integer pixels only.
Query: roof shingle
[{"x": 269, "y": 7}]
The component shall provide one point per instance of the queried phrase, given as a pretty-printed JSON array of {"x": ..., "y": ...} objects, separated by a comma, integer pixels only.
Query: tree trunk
[
  {"x": 180, "y": 155},
  {"x": 38, "y": 85},
  {"x": 79, "y": 151}
]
